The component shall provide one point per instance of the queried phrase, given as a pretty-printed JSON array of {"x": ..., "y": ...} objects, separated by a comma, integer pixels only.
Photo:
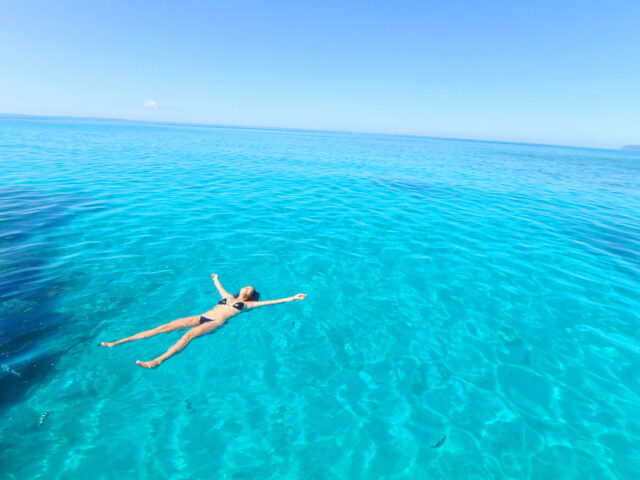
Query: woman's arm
[
  {"x": 221, "y": 290},
  {"x": 183, "y": 342},
  {"x": 299, "y": 296}
]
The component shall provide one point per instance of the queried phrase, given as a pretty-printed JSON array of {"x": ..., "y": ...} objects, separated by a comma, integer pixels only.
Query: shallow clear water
[{"x": 484, "y": 293}]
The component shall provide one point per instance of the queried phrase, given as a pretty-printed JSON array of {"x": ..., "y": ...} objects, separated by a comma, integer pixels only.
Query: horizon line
[{"x": 319, "y": 130}]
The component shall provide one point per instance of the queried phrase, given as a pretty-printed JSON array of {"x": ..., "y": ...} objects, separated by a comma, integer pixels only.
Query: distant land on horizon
[{"x": 634, "y": 148}]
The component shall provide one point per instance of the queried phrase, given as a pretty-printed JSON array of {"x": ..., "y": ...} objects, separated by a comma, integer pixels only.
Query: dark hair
[{"x": 254, "y": 298}]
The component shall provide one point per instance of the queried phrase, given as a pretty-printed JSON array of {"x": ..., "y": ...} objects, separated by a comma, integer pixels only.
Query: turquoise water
[{"x": 481, "y": 297}]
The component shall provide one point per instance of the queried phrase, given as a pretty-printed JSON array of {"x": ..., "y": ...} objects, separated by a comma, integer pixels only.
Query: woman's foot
[
  {"x": 151, "y": 364},
  {"x": 107, "y": 344}
]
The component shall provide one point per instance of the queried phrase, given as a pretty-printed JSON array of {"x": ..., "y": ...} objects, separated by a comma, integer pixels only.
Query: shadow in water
[
  {"x": 28, "y": 288},
  {"x": 615, "y": 242},
  {"x": 422, "y": 189}
]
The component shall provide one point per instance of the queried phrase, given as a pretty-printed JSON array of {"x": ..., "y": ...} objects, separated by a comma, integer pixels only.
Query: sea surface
[{"x": 472, "y": 311}]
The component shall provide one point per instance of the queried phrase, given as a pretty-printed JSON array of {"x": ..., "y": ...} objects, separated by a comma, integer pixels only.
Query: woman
[{"x": 226, "y": 308}]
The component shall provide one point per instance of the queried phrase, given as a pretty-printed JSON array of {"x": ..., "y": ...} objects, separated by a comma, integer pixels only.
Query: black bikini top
[{"x": 237, "y": 305}]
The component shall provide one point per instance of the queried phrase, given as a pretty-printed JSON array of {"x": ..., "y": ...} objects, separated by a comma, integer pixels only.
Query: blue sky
[{"x": 559, "y": 72}]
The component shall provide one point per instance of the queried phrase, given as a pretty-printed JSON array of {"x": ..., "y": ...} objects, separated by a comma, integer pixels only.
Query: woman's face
[{"x": 247, "y": 292}]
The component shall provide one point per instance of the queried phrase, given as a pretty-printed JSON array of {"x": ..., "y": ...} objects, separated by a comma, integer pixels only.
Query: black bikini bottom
[{"x": 204, "y": 319}]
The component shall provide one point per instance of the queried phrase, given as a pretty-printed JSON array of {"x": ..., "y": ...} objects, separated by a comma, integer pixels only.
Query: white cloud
[{"x": 148, "y": 103}]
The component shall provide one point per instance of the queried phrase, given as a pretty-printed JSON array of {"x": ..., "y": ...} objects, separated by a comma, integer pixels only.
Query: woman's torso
[{"x": 226, "y": 308}]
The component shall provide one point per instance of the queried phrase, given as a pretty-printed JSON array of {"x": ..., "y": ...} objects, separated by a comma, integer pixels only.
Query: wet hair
[{"x": 253, "y": 298}]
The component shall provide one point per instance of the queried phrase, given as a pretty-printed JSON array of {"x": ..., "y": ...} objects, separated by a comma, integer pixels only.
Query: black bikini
[{"x": 237, "y": 306}]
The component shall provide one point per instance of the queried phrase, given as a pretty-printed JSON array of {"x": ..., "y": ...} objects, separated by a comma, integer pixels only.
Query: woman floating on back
[{"x": 226, "y": 308}]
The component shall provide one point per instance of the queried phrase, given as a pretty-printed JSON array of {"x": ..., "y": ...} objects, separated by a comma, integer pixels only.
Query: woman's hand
[
  {"x": 299, "y": 296},
  {"x": 214, "y": 276}
]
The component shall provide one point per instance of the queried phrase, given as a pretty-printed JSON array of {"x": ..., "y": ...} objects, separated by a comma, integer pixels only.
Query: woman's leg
[
  {"x": 183, "y": 342},
  {"x": 186, "y": 322}
]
